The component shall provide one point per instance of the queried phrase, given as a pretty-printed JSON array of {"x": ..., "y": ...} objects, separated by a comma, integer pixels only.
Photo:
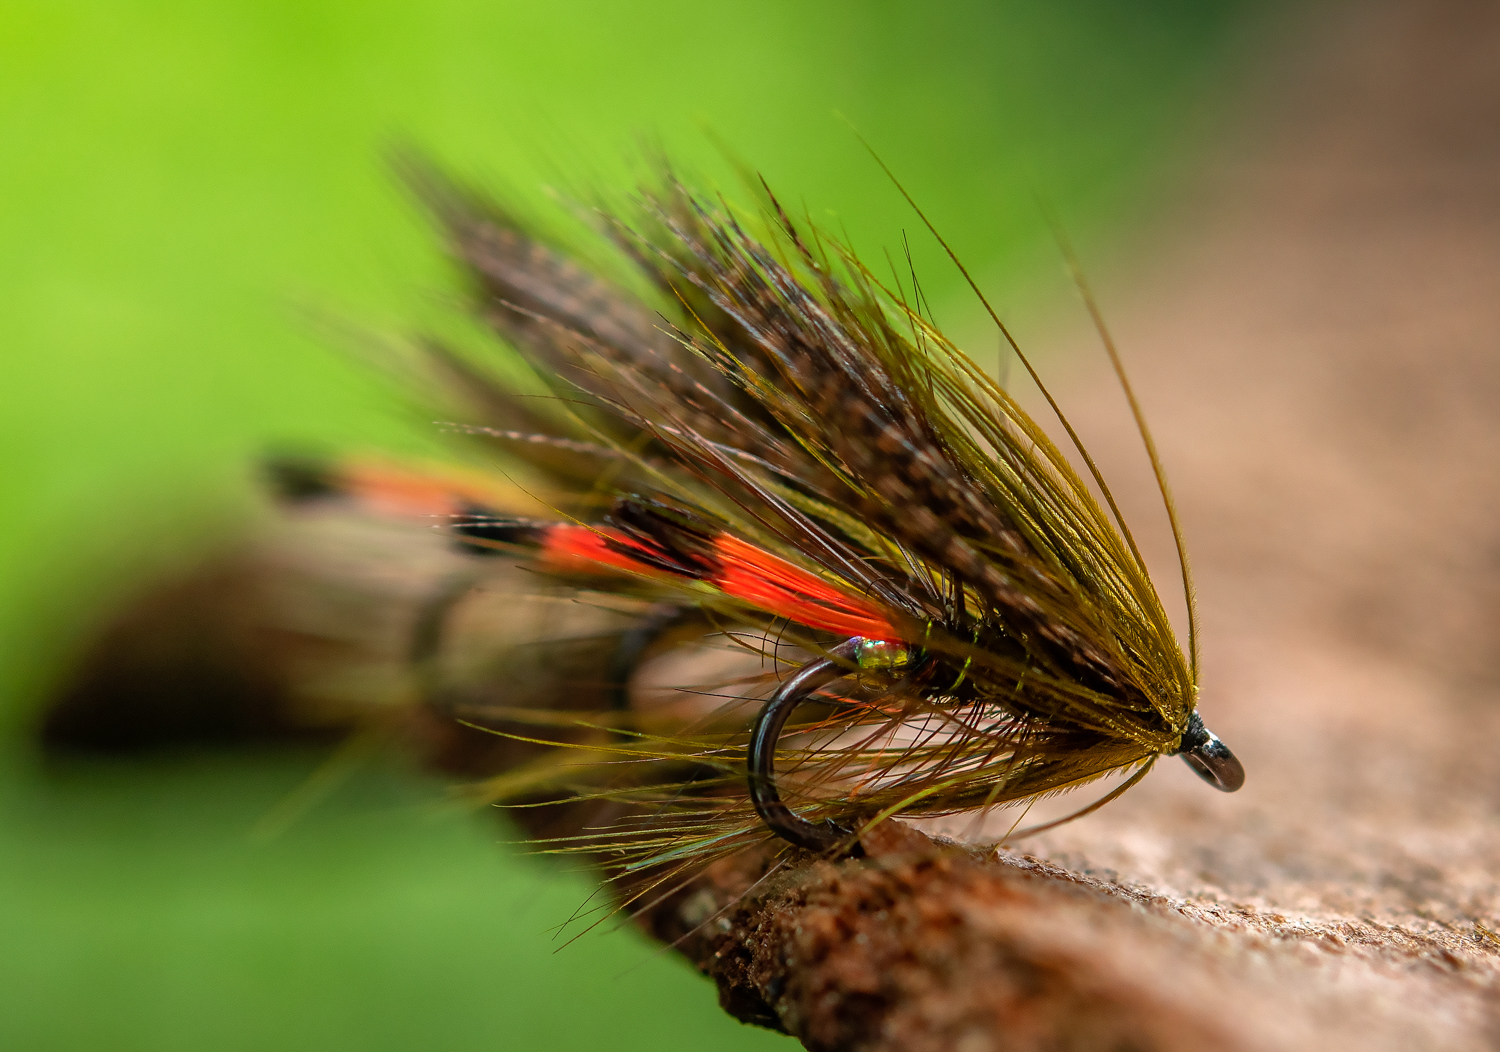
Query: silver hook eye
[{"x": 1210, "y": 758}]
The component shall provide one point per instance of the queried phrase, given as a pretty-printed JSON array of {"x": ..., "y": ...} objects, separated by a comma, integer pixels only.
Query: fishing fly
[{"x": 899, "y": 596}]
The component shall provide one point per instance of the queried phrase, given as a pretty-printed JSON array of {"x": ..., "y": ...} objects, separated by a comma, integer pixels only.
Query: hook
[{"x": 826, "y": 837}]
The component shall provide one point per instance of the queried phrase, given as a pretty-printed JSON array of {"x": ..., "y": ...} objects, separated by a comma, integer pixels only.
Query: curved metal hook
[
  {"x": 634, "y": 642},
  {"x": 1202, "y": 750},
  {"x": 431, "y": 624},
  {"x": 826, "y": 837}
]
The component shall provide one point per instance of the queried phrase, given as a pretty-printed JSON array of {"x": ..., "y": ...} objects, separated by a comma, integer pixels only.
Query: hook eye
[{"x": 1211, "y": 758}]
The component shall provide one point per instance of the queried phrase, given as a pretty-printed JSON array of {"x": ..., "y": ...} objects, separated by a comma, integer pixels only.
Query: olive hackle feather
[{"x": 778, "y": 398}]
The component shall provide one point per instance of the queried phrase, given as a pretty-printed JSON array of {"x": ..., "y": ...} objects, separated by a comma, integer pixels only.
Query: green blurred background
[{"x": 179, "y": 183}]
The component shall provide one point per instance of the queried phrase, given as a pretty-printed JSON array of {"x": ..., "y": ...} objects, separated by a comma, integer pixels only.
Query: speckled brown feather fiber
[{"x": 824, "y": 428}]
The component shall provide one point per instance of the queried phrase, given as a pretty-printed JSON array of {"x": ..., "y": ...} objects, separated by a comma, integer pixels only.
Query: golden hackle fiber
[{"x": 775, "y": 391}]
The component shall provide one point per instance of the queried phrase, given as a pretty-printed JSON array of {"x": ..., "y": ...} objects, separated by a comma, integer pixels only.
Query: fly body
[{"x": 772, "y": 453}]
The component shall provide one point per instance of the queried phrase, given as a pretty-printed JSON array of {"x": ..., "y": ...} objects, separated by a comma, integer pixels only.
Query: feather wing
[{"x": 804, "y": 450}]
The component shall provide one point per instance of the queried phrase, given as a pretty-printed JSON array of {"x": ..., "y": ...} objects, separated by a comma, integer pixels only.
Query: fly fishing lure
[{"x": 782, "y": 458}]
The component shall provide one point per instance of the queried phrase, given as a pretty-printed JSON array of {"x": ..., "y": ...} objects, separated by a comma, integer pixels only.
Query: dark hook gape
[
  {"x": 1200, "y": 748},
  {"x": 827, "y": 837}
]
